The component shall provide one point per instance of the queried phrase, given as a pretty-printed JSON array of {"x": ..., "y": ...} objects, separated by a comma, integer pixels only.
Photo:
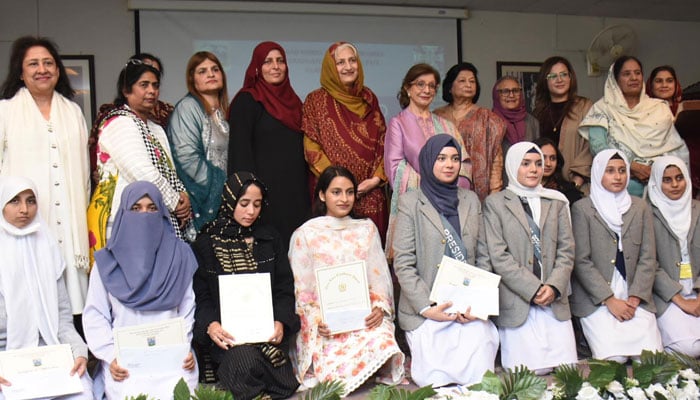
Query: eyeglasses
[
  {"x": 422, "y": 85},
  {"x": 552, "y": 76},
  {"x": 509, "y": 92},
  {"x": 133, "y": 61}
]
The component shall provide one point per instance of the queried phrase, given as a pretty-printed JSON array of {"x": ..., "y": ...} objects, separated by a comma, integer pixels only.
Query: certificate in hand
[
  {"x": 48, "y": 365},
  {"x": 343, "y": 294},
  {"x": 246, "y": 307},
  {"x": 466, "y": 286},
  {"x": 148, "y": 349}
]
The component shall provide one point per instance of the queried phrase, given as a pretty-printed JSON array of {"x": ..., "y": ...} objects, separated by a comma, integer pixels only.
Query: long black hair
[{"x": 324, "y": 181}]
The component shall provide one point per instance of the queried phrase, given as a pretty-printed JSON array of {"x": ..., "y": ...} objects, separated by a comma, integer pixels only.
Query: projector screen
[{"x": 388, "y": 46}]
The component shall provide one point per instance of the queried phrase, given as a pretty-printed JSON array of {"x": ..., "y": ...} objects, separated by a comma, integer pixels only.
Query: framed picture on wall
[
  {"x": 81, "y": 73},
  {"x": 526, "y": 73}
]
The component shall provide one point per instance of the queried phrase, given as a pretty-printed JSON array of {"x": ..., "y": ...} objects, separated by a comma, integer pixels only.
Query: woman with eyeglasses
[
  {"x": 198, "y": 133},
  {"x": 160, "y": 114},
  {"x": 43, "y": 136},
  {"x": 481, "y": 130},
  {"x": 132, "y": 147},
  {"x": 407, "y": 133},
  {"x": 509, "y": 104},
  {"x": 559, "y": 111},
  {"x": 628, "y": 120},
  {"x": 343, "y": 125}
]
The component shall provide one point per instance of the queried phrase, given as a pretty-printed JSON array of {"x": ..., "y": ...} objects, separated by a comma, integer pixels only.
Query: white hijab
[
  {"x": 514, "y": 158},
  {"x": 675, "y": 212},
  {"x": 647, "y": 129},
  {"x": 32, "y": 265},
  {"x": 609, "y": 205}
]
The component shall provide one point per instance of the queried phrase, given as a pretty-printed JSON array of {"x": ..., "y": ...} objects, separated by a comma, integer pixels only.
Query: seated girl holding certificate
[
  {"x": 234, "y": 243},
  {"x": 439, "y": 220},
  {"x": 34, "y": 305},
  {"x": 615, "y": 264},
  {"x": 531, "y": 246},
  {"x": 143, "y": 275},
  {"x": 677, "y": 233},
  {"x": 336, "y": 237}
]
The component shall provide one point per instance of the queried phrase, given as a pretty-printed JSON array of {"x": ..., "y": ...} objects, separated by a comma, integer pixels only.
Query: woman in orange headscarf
[{"x": 344, "y": 126}]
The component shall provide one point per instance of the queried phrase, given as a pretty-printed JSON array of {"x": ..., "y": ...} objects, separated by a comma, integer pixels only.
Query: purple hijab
[
  {"x": 144, "y": 265},
  {"x": 441, "y": 195},
  {"x": 515, "y": 119}
]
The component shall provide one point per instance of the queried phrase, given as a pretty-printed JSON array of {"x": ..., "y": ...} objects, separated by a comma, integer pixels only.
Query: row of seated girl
[{"x": 524, "y": 234}]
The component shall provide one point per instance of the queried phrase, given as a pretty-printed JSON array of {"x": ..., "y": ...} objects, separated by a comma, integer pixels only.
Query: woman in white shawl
[
  {"x": 34, "y": 306},
  {"x": 677, "y": 232},
  {"x": 43, "y": 136},
  {"x": 530, "y": 245},
  {"x": 612, "y": 285},
  {"x": 627, "y": 119}
]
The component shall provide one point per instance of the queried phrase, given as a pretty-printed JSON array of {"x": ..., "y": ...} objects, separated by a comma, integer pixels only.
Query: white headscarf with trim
[{"x": 609, "y": 205}]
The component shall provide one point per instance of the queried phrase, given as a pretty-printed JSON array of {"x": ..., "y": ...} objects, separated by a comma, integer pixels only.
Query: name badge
[{"x": 686, "y": 271}]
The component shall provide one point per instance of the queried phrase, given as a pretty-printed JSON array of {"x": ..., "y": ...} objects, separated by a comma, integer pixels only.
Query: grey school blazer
[
  {"x": 419, "y": 244},
  {"x": 668, "y": 254},
  {"x": 511, "y": 255},
  {"x": 596, "y": 249}
]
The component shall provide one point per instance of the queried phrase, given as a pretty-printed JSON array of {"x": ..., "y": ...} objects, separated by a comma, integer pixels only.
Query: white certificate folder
[
  {"x": 36, "y": 372},
  {"x": 153, "y": 348},
  {"x": 246, "y": 307},
  {"x": 466, "y": 286},
  {"x": 343, "y": 294}
]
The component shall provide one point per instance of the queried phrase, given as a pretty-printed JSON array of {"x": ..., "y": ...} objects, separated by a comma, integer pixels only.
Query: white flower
[
  {"x": 631, "y": 382},
  {"x": 615, "y": 387},
  {"x": 689, "y": 374},
  {"x": 481, "y": 395},
  {"x": 547, "y": 395},
  {"x": 588, "y": 392},
  {"x": 636, "y": 393},
  {"x": 657, "y": 388},
  {"x": 673, "y": 381},
  {"x": 691, "y": 390}
]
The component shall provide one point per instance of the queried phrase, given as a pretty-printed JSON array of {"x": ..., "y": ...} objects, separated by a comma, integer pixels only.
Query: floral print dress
[{"x": 350, "y": 357}]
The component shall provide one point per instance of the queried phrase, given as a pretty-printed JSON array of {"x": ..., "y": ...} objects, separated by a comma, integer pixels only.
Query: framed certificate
[
  {"x": 343, "y": 294},
  {"x": 49, "y": 366},
  {"x": 246, "y": 307},
  {"x": 466, "y": 286}
]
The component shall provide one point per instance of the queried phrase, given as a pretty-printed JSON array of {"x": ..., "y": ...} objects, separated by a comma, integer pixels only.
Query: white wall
[
  {"x": 489, "y": 37},
  {"x": 105, "y": 29}
]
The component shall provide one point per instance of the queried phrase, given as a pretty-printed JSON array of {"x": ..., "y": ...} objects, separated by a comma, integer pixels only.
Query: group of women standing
[{"x": 159, "y": 180}]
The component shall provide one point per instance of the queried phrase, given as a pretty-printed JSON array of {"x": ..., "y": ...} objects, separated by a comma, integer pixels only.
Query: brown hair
[
  {"x": 196, "y": 59},
  {"x": 542, "y": 97}
]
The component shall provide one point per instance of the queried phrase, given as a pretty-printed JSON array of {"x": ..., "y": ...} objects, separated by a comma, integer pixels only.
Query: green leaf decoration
[
  {"x": 381, "y": 392},
  {"x": 208, "y": 392},
  {"x": 569, "y": 378},
  {"x": 139, "y": 397},
  {"x": 384, "y": 392},
  {"x": 181, "y": 391},
  {"x": 605, "y": 371},
  {"x": 685, "y": 361},
  {"x": 329, "y": 390},
  {"x": 522, "y": 384},
  {"x": 421, "y": 393},
  {"x": 660, "y": 365},
  {"x": 490, "y": 383}
]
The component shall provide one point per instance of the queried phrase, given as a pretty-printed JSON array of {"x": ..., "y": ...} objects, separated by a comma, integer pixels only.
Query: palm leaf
[
  {"x": 420, "y": 393},
  {"x": 206, "y": 392},
  {"x": 381, "y": 392},
  {"x": 605, "y": 371},
  {"x": 522, "y": 384},
  {"x": 655, "y": 367},
  {"x": 490, "y": 383},
  {"x": 139, "y": 397},
  {"x": 686, "y": 361},
  {"x": 328, "y": 390},
  {"x": 569, "y": 378}
]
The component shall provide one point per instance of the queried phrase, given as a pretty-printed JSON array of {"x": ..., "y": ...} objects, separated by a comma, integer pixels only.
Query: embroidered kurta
[
  {"x": 53, "y": 154},
  {"x": 334, "y": 135},
  {"x": 350, "y": 357},
  {"x": 199, "y": 144},
  {"x": 482, "y": 132}
]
